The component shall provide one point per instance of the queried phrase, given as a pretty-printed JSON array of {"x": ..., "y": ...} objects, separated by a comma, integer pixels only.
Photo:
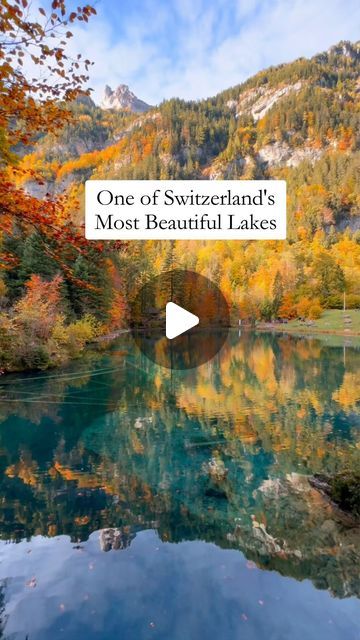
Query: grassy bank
[{"x": 332, "y": 321}]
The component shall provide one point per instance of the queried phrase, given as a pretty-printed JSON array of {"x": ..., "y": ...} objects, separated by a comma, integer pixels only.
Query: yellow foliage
[
  {"x": 315, "y": 311},
  {"x": 2, "y": 288},
  {"x": 80, "y": 332},
  {"x": 348, "y": 395},
  {"x": 310, "y": 309}
]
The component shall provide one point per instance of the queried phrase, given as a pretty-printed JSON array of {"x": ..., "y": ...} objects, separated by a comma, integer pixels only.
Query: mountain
[
  {"x": 123, "y": 99},
  {"x": 298, "y": 121}
]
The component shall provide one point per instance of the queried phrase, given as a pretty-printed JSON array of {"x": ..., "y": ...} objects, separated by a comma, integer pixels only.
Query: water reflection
[{"x": 220, "y": 454}]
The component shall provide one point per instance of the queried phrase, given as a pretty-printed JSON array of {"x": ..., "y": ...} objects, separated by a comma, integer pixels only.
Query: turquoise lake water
[{"x": 137, "y": 502}]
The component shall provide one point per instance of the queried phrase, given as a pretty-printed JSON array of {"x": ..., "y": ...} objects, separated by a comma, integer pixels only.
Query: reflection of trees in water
[
  {"x": 115, "y": 538},
  {"x": 2, "y": 608},
  {"x": 138, "y": 456}
]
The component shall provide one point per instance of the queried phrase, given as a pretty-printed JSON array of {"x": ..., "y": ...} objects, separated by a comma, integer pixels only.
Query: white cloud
[{"x": 194, "y": 48}]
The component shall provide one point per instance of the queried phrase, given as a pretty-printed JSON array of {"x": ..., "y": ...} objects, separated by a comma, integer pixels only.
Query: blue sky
[{"x": 195, "y": 48}]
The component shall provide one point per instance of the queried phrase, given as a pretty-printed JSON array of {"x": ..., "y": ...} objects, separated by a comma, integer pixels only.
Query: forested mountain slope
[
  {"x": 298, "y": 122},
  {"x": 285, "y": 118}
]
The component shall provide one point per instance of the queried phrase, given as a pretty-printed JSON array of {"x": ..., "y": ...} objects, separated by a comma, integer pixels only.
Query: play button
[{"x": 179, "y": 319}]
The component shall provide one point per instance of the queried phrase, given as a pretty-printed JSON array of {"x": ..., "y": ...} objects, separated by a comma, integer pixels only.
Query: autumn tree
[
  {"x": 36, "y": 335},
  {"x": 32, "y": 102},
  {"x": 329, "y": 276},
  {"x": 278, "y": 292}
]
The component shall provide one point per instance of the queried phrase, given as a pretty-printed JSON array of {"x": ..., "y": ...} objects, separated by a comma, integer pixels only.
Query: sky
[{"x": 195, "y": 48}]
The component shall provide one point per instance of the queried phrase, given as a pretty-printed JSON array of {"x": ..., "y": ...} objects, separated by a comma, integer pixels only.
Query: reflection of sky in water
[
  {"x": 116, "y": 441},
  {"x": 159, "y": 590}
]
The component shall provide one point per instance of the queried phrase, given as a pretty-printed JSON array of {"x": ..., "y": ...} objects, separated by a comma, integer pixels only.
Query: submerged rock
[
  {"x": 298, "y": 530},
  {"x": 216, "y": 469},
  {"x": 343, "y": 489}
]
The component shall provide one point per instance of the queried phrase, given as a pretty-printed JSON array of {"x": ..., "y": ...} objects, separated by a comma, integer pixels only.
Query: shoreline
[
  {"x": 332, "y": 322},
  {"x": 108, "y": 337},
  {"x": 264, "y": 327}
]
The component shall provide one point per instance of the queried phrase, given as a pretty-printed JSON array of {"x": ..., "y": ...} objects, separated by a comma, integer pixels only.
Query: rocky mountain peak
[
  {"x": 122, "y": 99},
  {"x": 347, "y": 49}
]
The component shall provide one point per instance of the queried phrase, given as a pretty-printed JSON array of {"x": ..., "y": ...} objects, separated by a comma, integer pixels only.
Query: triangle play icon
[{"x": 178, "y": 320}]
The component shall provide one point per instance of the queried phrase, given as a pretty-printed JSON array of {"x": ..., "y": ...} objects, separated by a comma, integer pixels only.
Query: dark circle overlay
[{"x": 196, "y": 294}]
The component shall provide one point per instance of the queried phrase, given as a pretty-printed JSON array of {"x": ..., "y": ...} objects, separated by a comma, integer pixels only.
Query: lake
[{"x": 139, "y": 502}]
